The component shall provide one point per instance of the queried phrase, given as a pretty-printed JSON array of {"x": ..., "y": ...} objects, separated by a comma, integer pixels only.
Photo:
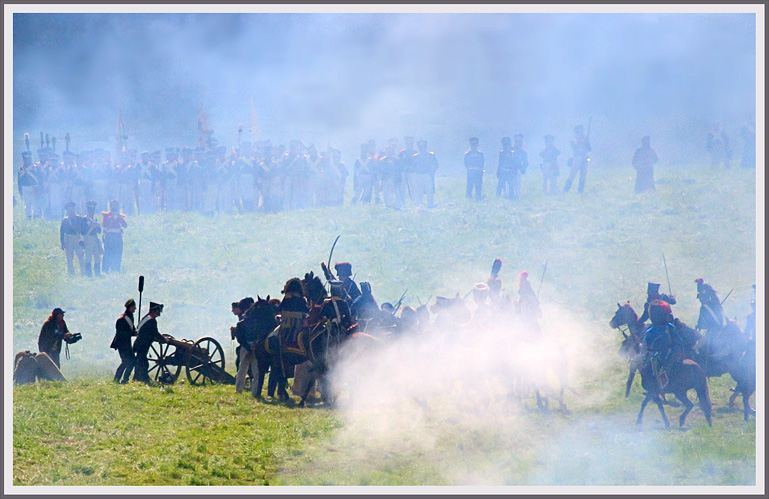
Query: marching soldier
[
  {"x": 70, "y": 235},
  {"x": 474, "y": 163},
  {"x": 147, "y": 333},
  {"x": 549, "y": 165},
  {"x": 28, "y": 179},
  {"x": 580, "y": 146},
  {"x": 125, "y": 329},
  {"x": 114, "y": 223},
  {"x": 93, "y": 248},
  {"x": 423, "y": 165}
]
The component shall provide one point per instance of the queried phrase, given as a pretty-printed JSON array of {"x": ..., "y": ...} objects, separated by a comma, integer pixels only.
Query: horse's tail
[{"x": 703, "y": 394}]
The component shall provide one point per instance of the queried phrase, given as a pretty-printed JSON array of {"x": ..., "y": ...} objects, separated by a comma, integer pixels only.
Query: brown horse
[
  {"x": 683, "y": 376},
  {"x": 631, "y": 345},
  {"x": 259, "y": 321}
]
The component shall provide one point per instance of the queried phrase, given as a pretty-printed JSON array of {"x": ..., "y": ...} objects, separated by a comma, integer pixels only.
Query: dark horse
[
  {"x": 683, "y": 376},
  {"x": 259, "y": 320},
  {"x": 319, "y": 342}
]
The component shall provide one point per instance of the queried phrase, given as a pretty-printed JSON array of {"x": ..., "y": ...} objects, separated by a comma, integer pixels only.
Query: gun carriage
[{"x": 202, "y": 359}]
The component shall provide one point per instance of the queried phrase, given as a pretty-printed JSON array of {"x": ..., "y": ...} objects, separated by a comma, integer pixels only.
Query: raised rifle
[{"x": 398, "y": 305}]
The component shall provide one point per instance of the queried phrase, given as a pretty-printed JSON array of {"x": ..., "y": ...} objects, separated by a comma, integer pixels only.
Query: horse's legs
[
  {"x": 643, "y": 406},
  {"x": 261, "y": 371},
  {"x": 308, "y": 386},
  {"x": 541, "y": 401},
  {"x": 735, "y": 392},
  {"x": 629, "y": 382},
  {"x": 687, "y": 406},
  {"x": 658, "y": 400}
]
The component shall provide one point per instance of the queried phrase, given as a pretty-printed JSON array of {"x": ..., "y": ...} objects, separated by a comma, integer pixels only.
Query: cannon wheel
[
  {"x": 160, "y": 369},
  {"x": 198, "y": 372}
]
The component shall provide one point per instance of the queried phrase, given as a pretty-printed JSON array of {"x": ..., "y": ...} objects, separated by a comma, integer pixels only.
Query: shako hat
[
  {"x": 131, "y": 303},
  {"x": 158, "y": 307}
]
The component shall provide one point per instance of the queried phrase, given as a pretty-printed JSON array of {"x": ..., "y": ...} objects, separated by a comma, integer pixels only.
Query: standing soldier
[
  {"x": 53, "y": 332},
  {"x": 365, "y": 175},
  {"x": 125, "y": 329},
  {"x": 390, "y": 173},
  {"x": 423, "y": 166},
  {"x": 114, "y": 223},
  {"x": 28, "y": 178},
  {"x": 718, "y": 147},
  {"x": 644, "y": 160},
  {"x": 580, "y": 147},
  {"x": 70, "y": 235},
  {"x": 144, "y": 203},
  {"x": 335, "y": 175},
  {"x": 54, "y": 186},
  {"x": 93, "y": 247},
  {"x": 505, "y": 169},
  {"x": 549, "y": 165},
  {"x": 169, "y": 188},
  {"x": 147, "y": 333},
  {"x": 474, "y": 163},
  {"x": 520, "y": 163}
]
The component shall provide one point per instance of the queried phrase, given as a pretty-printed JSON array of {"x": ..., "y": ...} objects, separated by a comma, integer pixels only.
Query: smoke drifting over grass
[{"x": 464, "y": 400}]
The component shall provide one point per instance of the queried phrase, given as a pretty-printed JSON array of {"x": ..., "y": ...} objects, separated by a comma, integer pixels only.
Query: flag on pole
[{"x": 254, "y": 128}]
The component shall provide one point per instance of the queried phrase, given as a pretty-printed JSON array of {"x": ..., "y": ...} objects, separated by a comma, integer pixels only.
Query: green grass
[{"x": 600, "y": 249}]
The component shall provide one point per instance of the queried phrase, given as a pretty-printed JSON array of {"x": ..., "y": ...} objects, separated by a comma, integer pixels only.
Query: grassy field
[{"x": 600, "y": 248}]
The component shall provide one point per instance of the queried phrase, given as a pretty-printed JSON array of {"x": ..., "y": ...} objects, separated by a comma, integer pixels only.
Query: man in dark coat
[
  {"x": 474, "y": 163},
  {"x": 653, "y": 293},
  {"x": 662, "y": 340},
  {"x": 644, "y": 160},
  {"x": 344, "y": 273},
  {"x": 52, "y": 333},
  {"x": 147, "y": 334},
  {"x": 505, "y": 169},
  {"x": 125, "y": 329}
]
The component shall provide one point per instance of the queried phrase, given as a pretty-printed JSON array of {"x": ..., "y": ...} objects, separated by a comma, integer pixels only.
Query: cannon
[{"x": 203, "y": 360}]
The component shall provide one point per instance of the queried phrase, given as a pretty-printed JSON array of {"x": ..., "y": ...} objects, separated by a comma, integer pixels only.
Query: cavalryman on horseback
[
  {"x": 662, "y": 340},
  {"x": 653, "y": 293}
]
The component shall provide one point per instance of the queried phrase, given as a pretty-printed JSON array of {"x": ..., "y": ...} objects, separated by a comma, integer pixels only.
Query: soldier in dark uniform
[
  {"x": 344, "y": 273},
  {"x": 580, "y": 147},
  {"x": 549, "y": 165},
  {"x": 147, "y": 333},
  {"x": 644, "y": 160},
  {"x": 712, "y": 318},
  {"x": 662, "y": 339},
  {"x": 718, "y": 147},
  {"x": 423, "y": 165},
  {"x": 389, "y": 171},
  {"x": 364, "y": 307},
  {"x": 474, "y": 163},
  {"x": 505, "y": 169},
  {"x": 520, "y": 164},
  {"x": 53, "y": 332},
  {"x": 125, "y": 329},
  {"x": 366, "y": 175},
  {"x": 71, "y": 237},
  {"x": 653, "y": 293}
]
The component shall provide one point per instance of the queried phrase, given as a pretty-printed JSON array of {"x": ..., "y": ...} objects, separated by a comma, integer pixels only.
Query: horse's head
[
  {"x": 313, "y": 288},
  {"x": 624, "y": 316},
  {"x": 262, "y": 312}
]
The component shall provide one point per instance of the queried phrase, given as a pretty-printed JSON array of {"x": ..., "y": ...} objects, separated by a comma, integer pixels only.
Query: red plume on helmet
[
  {"x": 522, "y": 277},
  {"x": 495, "y": 267}
]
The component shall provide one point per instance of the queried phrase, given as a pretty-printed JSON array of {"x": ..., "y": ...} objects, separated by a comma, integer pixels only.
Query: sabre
[
  {"x": 670, "y": 291},
  {"x": 332, "y": 250},
  {"x": 542, "y": 280},
  {"x": 141, "y": 288},
  {"x": 727, "y": 296}
]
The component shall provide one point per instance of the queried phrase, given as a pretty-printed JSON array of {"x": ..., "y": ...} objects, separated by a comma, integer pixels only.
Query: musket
[
  {"x": 141, "y": 288},
  {"x": 670, "y": 291},
  {"x": 727, "y": 296},
  {"x": 541, "y": 280},
  {"x": 398, "y": 305}
]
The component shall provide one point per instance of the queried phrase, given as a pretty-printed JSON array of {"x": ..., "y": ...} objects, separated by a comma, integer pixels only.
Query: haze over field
[{"x": 343, "y": 78}]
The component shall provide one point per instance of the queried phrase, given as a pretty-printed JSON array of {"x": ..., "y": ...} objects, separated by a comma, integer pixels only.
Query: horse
[
  {"x": 682, "y": 377},
  {"x": 631, "y": 345},
  {"x": 317, "y": 342},
  {"x": 745, "y": 375},
  {"x": 260, "y": 320}
]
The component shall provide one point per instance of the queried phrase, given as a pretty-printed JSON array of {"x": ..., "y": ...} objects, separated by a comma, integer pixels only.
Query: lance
[
  {"x": 141, "y": 288},
  {"x": 670, "y": 291},
  {"x": 26, "y": 140},
  {"x": 542, "y": 280},
  {"x": 727, "y": 296}
]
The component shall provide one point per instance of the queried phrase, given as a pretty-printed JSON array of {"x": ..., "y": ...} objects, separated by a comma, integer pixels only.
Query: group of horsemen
[
  {"x": 354, "y": 310},
  {"x": 669, "y": 341}
]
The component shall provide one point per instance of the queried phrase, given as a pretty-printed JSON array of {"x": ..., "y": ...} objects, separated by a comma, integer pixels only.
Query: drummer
[{"x": 147, "y": 334}]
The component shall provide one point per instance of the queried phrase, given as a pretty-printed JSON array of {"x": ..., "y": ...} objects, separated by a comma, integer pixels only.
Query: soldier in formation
[
  {"x": 474, "y": 164},
  {"x": 549, "y": 165},
  {"x": 580, "y": 147},
  {"x": 644, "y": 160}
]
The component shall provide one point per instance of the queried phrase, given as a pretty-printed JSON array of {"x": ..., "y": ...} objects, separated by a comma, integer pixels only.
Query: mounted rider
[
  {"x": 653, "y": 293},
  {"x": 721, "y": 333},
  {"x": 662, "y": 341},
  {"x": 344, "y": 273}
]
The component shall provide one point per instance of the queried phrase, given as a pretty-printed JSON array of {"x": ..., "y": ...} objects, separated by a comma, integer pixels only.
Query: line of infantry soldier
[{"x": 79, "y": 237}]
